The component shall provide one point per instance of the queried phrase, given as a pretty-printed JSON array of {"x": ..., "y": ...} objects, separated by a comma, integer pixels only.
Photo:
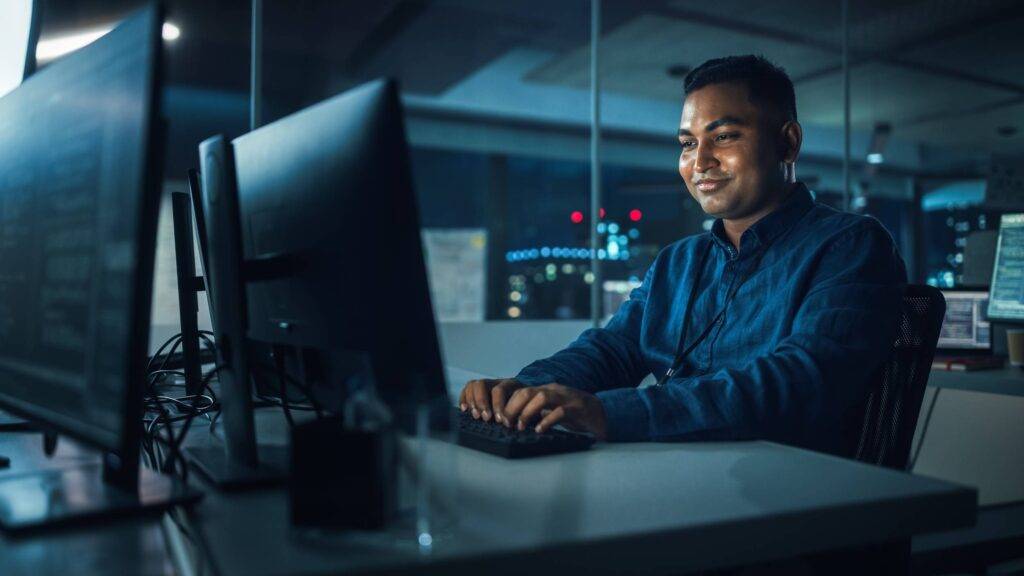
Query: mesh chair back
[{"x": 897, "y": 388}]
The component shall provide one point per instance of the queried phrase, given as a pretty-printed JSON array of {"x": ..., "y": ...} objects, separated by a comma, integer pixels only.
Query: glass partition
[
  {"x": 500, "y": 159},
  {"x": 937, "y": 102},
  {"x": 498, "y": 95}
]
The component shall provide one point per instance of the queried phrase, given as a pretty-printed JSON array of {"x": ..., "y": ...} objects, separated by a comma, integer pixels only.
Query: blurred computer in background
[
  {"x": 1006, "y": 305},
  {"x": 965, "y": 341},
  {"x": 1007, "y": 302},
  {"x": 979, "y": 256}
]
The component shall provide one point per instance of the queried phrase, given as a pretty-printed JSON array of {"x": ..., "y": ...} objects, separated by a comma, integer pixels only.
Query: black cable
[
  {"x": 175, "y": 338},
  {"x": 206, "y": 382},
  {"x": 298, "y": 384},
  {"x": 924, "y": 429},
  {"x": 174, "y": 460},
  {"x": 174, "y": 349},
  {"x": 283, "y": 386},
  {"x": 166, "y": 373},
  {"x": 153, "y": 441},
  {"x": 270, "y": 402},
  {"x": 163, "y": 365},
  {"x": 210, "y": 344}
]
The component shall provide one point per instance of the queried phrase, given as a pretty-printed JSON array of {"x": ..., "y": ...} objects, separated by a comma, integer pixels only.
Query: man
[{"x": 768, "y": 326}]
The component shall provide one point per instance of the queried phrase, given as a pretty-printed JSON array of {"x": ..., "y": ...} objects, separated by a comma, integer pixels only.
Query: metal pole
[
  {"x": 256, "y": 67},
  {"x": 846, "y": 104},
  {"x": 595, "y": 164}
]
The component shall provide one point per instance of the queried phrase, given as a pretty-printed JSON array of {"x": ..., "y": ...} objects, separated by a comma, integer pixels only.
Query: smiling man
[{"x": 767, "y": 326}]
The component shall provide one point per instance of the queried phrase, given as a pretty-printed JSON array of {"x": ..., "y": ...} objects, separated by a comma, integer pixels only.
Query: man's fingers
[
  {"x": 481, "y": 401},
  {"x": 553, "y": 417},
  {"x": 532, "y": 409},
  {"x": 515, "y": 404},
  {"x": 498, "y": 396},
  {"x": 508, "y": 387}
]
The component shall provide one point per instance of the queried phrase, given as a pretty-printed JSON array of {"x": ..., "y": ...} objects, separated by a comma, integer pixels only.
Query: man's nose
[{"x": 704, "y": 159}]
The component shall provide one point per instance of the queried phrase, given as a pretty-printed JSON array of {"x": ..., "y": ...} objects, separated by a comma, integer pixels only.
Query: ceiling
[
  {"x": 947, "y": 74},
  {"x": 940, "y": 72}
]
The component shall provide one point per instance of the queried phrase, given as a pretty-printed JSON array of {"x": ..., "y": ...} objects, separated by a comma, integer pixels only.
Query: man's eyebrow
[{"x": 723, "y": 121}]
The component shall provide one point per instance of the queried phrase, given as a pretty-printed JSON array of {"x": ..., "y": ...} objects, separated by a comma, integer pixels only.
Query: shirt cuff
[
  {"x": 625, "y": 414},
  {"x": 529, "y": 377}
]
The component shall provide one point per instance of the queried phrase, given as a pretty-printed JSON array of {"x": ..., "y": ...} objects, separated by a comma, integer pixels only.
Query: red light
[
  {"x": 635, "y": 215},
  {"x": 601, "y": 213},
  {"x": 576, "y": 217}
]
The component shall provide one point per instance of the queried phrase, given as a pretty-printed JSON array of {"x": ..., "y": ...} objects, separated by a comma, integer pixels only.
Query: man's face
[{"x": 729, "y": 159}]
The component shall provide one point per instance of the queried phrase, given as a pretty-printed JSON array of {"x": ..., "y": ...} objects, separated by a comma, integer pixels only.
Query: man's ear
[{"x": 792, "y": 136}]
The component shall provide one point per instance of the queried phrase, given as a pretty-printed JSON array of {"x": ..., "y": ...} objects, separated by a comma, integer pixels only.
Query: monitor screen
[
  {"x": 15, "y": 40},
  {"x": 966, "y": 325},
  {"x": 77, "y": 230},
  {"x": 1007, "y": 301}
]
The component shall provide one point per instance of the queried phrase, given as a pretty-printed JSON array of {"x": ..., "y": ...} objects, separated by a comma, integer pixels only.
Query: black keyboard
[{"x": 510, "y": 443}]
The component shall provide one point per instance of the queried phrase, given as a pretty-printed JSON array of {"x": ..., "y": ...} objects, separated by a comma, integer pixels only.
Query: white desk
[
  {"x": 662, "y": 508},
  {"x": 1008, "y": 381}
]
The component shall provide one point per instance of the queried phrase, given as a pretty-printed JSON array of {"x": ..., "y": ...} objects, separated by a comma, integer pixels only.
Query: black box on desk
[{"x": 342, "y": 478}]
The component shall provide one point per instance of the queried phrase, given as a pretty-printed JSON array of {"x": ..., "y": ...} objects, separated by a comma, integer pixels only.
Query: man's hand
[
  {"x": 556, "y": 404},
  {"x": 486, "y": 398}
]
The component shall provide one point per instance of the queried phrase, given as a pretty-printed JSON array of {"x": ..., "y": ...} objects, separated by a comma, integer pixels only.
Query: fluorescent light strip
[{"x": 52, "y": 48}]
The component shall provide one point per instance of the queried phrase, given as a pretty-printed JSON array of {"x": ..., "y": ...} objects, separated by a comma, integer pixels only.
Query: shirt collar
[{"x": 765, "y": 230}]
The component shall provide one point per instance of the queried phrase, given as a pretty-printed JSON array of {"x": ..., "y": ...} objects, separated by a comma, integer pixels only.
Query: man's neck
[{"x": 735, "y": 228}]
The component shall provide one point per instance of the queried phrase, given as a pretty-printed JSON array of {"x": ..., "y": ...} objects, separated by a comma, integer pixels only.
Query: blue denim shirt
[{"x": 809, "y": 306}]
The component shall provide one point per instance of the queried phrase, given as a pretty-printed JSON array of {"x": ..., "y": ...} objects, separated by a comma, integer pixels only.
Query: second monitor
[
  {"x": 332, "y": 272},
  {"x": 327, "y": 193}
]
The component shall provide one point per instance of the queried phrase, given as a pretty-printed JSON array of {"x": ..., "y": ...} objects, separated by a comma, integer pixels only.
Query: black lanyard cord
[{"x": 681, "y": 354}]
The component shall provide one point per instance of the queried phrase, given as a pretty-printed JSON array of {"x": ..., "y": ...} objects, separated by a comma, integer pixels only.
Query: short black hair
[{"x": 767, "y": 84}]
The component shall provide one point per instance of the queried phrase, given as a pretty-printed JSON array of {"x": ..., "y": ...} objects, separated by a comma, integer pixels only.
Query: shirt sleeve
[
  {"x": 841, "y": 333},
  {"x": 601, "y": 358}
]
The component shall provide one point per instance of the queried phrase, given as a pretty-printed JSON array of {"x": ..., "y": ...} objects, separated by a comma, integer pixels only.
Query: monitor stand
[
  {"x": 230, "y": 474},
  {"x": 52, "y": 498},
  {"x": 188, "y": 285}
]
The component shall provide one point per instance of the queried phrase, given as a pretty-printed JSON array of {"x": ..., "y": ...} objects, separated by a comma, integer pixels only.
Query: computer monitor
[
  {"x": 965, "y": 328},
  {"x": 80, "y": 179},
  {"x": 330, "y": 188},
  {"x": 19, "y": 32},
  {"x": 240, "y": 463},
  {"x": 333, "y": 271},
  {"x": 188, "y": 288},
  {"x": 1007, "y": 302}
]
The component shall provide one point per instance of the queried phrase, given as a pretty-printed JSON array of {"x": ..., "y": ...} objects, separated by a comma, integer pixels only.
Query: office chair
[
  {"x": 888, "y": 421},
  {"x": 897, "y": 387}
]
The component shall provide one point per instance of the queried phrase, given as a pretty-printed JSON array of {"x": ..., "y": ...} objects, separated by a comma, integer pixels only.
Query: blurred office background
[
  {"x": 498, "y": 104},
  {"x": 498, "y": 97}
]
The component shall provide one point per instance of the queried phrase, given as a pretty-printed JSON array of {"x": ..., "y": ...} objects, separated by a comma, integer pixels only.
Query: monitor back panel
[{"x": 330, "y": 189}]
